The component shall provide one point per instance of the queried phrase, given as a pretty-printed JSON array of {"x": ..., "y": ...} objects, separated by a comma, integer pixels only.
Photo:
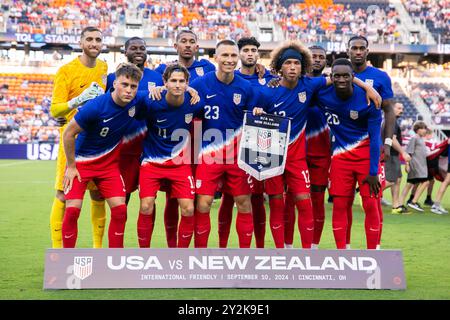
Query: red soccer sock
[
  {"x": 348, "y": 235},
  {"x": 145, "y": 229},
  {"x": 244, "y": 228},
  {"x": 318, "y": 204},
  {"x": 305, "y": 222},
  {"x": 202, "y": 229},
  {"x": 171, "y": 221},
  {"x": 340, "y": 220},
  {"x": 185, "y": 231},
  {"x": 380, "y": 213},
  {"x": 289, "y": 219},
  {"x": 117, "y": 226},
  {"x": 70, "y": 227},
  {"x": 259, "y": 219},
  {"x": 277, "y": 221},
  {"x": 371, "y": 222},
  {"x": 225, "y": 218}
]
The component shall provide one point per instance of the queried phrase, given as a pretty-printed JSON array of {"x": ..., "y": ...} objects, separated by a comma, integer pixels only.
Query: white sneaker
[
  {"x": 438, "y": 209},
  {"x": 385, "y": 202},
  {"x": 415, "y": 206}
]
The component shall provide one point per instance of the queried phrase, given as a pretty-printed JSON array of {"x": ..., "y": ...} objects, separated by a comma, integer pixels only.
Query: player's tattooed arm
[
  {"x": 72, "y": 130},
  {"x": 371, "y": 93}
]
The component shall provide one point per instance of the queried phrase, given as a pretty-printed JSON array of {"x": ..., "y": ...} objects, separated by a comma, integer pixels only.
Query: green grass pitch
[{"x": 26, "y": 198}]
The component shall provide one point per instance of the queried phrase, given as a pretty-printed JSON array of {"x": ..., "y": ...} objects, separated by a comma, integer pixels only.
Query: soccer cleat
[
  {"x": 428, "y": 202},
  {"x": 438, "y": 209},
  {"x": 397, "y": 210},
  {"x": 385, "y": 202},
  {"x": 415, "y": 206}
]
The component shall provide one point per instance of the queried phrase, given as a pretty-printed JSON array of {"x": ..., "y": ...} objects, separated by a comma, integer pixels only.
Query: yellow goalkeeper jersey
[{"x": 70, "y": 81}]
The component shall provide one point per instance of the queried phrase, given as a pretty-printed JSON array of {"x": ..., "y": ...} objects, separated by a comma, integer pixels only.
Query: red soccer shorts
[
  {"x": 319, "y": 168},
  {"x": 344, "y": 174},
  {"x": 295, "y": 176},
  {"x": 109, "y": 182},
  {"x": 129, "y": 169},
  {"x": 208, "y": 177},
  {"x": 180, "y": 177}
]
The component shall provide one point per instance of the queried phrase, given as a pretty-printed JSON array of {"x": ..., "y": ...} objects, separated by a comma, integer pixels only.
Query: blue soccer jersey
[
  {"x": 355, "y": 126},
  {"x": 293, "y": 103},
  {"x": 197, "y": 69},
  {"x": 104, "y": 125},
  {"x": 133, "y": 138},
  {"x": 168, "y": 134},
  {"x": 223, "y": 113},
  {"x": 378, "y": 79},
  {"x": 254, "y": 79}
]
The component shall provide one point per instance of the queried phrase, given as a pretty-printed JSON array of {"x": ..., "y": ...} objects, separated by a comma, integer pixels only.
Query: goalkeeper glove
[{"x": 91, "y": 92}]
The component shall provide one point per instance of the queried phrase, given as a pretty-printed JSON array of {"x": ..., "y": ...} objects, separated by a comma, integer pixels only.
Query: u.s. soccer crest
[
  {"x": 150, "y": 85},
  {"x": 369, "y": 82},
  {"x": 188, "y": 118},
  {"x": 264, "y": 144},
  {"x": 132, "y": 111},
  {"x": 237, "y": 98},
  {"x": 264, "y": 139},
  {"x": 353, "y": 114},
  {"x": 262, "y": 81},
  {"x": 302, "y": 96},
  {"x": 82, "y": 267},
  {"x": 199, "y": 71}
]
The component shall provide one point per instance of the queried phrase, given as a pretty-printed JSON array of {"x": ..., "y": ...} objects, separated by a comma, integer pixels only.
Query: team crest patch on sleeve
[
  {"x": 237, "y": 98},
  {"x": 302, "y": 96},
  {"x": 262, "y": 81},
  {"x": 199, "y": 71},
  {"x": 82, "y": 267},
  {"x": 150, "y": 85},
  {"x": 188, "y": 117},
  {"x": 369, "y": 82},
  {"x": 353, "y": 114},
  {"x": 132, "y": 111}
]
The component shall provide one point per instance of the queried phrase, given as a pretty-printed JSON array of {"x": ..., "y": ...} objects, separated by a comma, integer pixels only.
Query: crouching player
[
  {"x": 356, "y": 151},
  {"x": 92, "y": 142},
  {"x": 165, "y": 157}
]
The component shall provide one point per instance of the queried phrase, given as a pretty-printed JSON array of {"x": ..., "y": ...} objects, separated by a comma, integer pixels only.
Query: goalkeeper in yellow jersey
[{"x": 76, "y": 82}]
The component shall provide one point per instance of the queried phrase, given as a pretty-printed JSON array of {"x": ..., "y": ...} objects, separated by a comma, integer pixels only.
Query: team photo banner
[
  {"x": 223, "y": 268},
  {"x": 263, "y": 146}
]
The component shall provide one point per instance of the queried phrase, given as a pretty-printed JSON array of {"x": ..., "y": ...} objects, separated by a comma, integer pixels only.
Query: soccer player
[
  {"x": 226, "y": 97},
  {"x": 76, "y": 82},
  {"x": 318, "y": 150},
  {"x": 136, "y": 53},
  {"x": 92, "y": 142},
  {"x": 358, "y": 50},
  {"x": 186, "y": 44},
  {"x": 165, "y": 158},
  {"x": 356, "y": 151},
  {"x": 248, "y": 55}
]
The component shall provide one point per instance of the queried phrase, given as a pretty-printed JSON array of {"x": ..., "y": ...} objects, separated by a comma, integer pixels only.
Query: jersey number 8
[{"x": 104, "y": 132}]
